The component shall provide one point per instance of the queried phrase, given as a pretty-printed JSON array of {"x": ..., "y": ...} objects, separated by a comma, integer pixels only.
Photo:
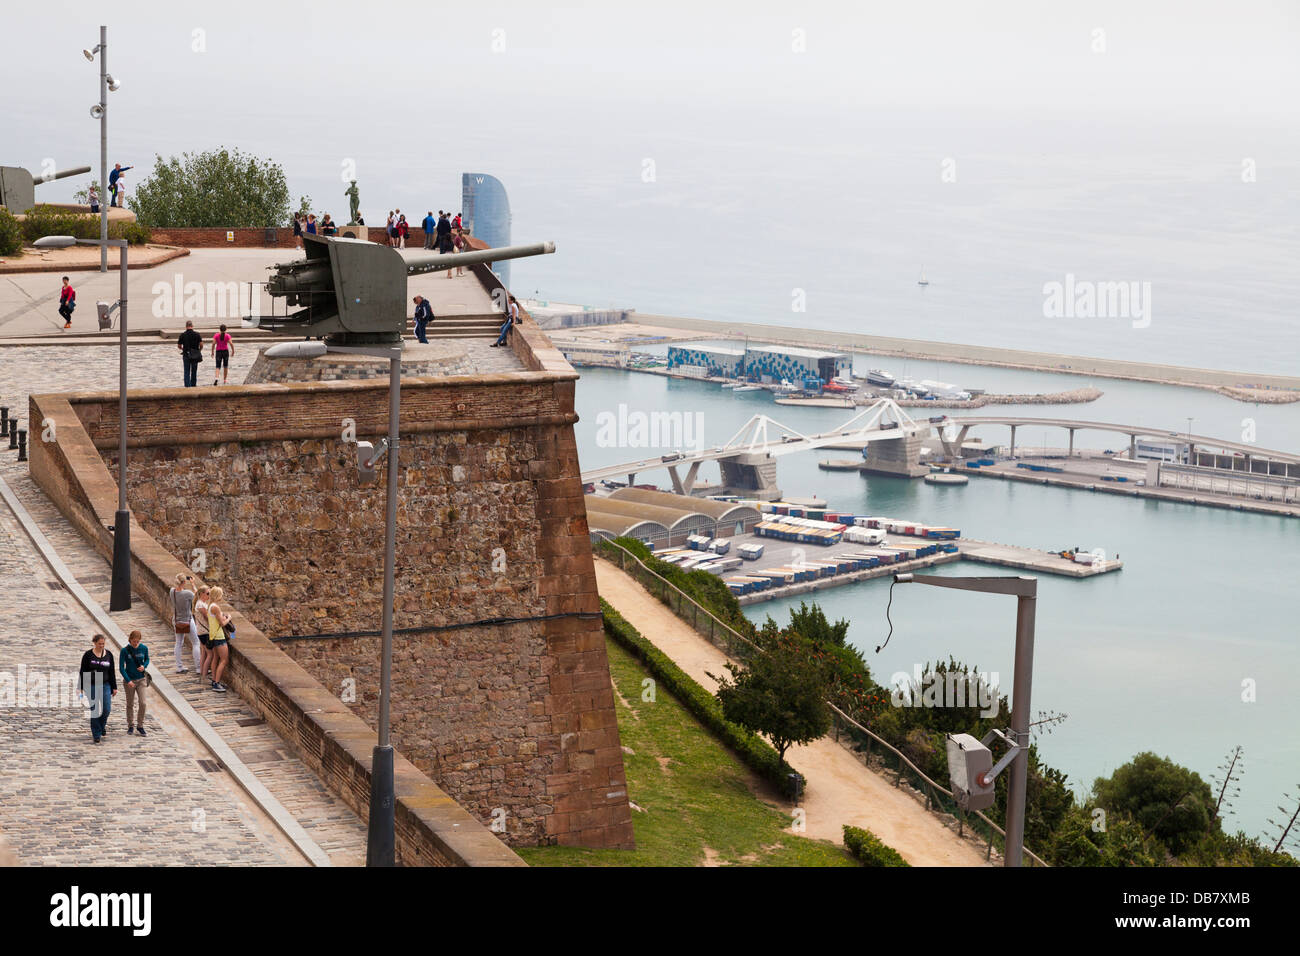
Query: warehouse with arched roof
[
  {"x": 728, "y": 516},
  {"x": 618, "y": 526},
  {"x": 680, "y": 523}
]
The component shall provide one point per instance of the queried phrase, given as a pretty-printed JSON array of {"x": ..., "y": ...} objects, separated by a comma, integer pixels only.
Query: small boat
[
  {"x": 748, "y": 388},
  {"x": 879, "y": 377},
  {"x": 786, "y": 387},
  {"x": 845, "y": 382}
]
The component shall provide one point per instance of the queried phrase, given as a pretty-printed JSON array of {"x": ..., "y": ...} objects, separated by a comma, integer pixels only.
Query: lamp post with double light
[{"x": 100, "y": 112}]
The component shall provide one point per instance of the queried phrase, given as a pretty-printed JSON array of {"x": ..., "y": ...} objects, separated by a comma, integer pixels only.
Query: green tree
[
  {"x": 1085, "y": 838},
  {"x": 780, "y": 693},
  {"x": 811, "y": 623},
  {"x": 220, "y": 187},
  {"x": 1170, "y": 801}
]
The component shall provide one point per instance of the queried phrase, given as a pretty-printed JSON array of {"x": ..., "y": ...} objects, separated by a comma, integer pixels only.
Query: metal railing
[{"x": 848, "y": 733}]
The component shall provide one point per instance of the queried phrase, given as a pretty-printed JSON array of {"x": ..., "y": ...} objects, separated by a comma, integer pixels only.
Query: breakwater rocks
[
  {"x": 1260, "y": 396},
  {"x": 1073, "y": 397}
]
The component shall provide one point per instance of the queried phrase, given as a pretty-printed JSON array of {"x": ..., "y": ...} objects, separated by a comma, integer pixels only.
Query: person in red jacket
[
  {"x": 67, "y": 302},
  {"x": 403, "y": 230}
]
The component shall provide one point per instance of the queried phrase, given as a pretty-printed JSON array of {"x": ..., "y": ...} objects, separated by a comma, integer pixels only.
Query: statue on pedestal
[{"x": 354, "y": 201}]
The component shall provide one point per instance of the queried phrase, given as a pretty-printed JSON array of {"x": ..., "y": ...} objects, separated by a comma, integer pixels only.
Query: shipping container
[{"x": 750, "y": 552}]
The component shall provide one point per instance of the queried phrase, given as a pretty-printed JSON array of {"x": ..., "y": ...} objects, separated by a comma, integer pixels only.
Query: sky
[{"x": 709, "y": 159}]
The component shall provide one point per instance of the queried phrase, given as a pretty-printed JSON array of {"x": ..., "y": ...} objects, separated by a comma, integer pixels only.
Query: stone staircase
[{"x": 460, "y": 327}]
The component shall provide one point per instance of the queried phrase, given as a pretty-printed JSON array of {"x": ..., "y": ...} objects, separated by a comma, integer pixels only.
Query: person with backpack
[
  {"x": 134, "y": 665},
  {"x": 98, "y": 684},
  {"x": 423, "y": 315},
  {"x": 67, "y": 302},
  {"x": 223, "y": 346},
  {"x": 190, "y": 345}
]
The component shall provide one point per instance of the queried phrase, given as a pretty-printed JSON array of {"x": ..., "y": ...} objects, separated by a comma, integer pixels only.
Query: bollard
[
  {"x": 22, "y": 444},
  {"x": 4, "y": 420},
  {"x": 13, "y": 433}
]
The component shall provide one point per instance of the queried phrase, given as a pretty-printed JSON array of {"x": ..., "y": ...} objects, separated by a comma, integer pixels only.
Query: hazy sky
[{"x": 794, "y": 145}]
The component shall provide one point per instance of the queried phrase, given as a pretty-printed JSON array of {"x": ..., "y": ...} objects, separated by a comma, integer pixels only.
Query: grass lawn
[{"x": 697, "y": 805}]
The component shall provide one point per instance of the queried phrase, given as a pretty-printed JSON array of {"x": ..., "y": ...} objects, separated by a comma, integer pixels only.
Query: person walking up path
[
  {"x": 98, "y": 684},
  {"x": 135, "y": 660},
  {"x": 218, "y": 643},
  {"x": 190, "y": 344},
  {"x": 222, "y": 348},
  {"x": 67, "y": 302}
]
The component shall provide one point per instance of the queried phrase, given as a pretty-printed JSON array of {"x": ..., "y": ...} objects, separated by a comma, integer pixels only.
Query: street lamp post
[
  {"x": 120, "y": 596},
  {"x": 100, "y": 112},
  {"x": 381, "y": 828},
  {"x": 1025, "y": 589}
]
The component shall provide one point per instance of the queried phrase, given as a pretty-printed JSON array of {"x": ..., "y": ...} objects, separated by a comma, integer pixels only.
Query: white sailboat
[{"x": 923, "y": 280}]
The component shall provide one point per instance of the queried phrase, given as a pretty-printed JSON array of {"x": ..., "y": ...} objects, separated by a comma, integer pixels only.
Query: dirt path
[{"x": 840, "y": 789}]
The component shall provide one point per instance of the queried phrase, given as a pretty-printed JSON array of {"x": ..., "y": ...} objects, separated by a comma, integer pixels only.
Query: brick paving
[{"x": 64, "y": 800}]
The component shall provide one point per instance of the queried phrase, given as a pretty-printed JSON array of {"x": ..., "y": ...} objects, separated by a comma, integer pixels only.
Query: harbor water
[{"x": 1162, "y": 656}]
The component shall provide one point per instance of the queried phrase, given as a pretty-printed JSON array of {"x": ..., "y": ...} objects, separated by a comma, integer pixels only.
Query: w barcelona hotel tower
[{"x": 486, "y": 209}]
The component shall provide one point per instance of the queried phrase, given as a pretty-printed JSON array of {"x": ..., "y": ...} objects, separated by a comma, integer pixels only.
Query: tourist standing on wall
[
  {"x": 297, "y": 230},
  {"x": 113, "y": 184},
  {"x": 134, "y": 664},
  {"x": 423, "y": 315},
  {"x": 456, "y": 223},
  {"x": 182, "y": 598},
  {"x": 391, "y": 229},
  {"x": 67, "y": 302},
  {"x": 223, "y": 346},
  {"x": 99, "y": 684},
  {"x": 190, "y": 345},
  {"x": 218, "y": 641},
  {"x": 201, "y": 622},
  {"x": 402, "y": 231}
]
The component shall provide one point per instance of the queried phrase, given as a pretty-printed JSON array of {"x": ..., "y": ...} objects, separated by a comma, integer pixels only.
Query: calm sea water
[{"x": 1150, "y": 658}]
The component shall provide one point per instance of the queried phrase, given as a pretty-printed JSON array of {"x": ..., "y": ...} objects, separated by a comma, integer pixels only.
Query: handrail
[{"x": 931, "y": 799}]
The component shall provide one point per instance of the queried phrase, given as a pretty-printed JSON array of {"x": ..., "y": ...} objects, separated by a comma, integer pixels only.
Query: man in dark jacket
[
  {"x": 423, "y": 315},
  {"x": 113, "y": 177},
  {"x": 190, "y": 345},
  {"x": 444, "y": 234}
]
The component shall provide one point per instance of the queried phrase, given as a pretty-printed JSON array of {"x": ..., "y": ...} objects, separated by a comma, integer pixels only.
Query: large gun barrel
[
  {"x": 418, "y": 260},
  {"x": 60, "y": 174}
]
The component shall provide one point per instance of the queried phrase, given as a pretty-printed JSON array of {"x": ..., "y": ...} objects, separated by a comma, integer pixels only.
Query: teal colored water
[{"x": 1150, "y": 658}]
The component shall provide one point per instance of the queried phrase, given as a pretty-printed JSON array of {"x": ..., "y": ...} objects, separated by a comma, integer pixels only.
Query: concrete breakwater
[
  {"x": 1073, "y": 397},
  {"x": 1242, "y": 386}
]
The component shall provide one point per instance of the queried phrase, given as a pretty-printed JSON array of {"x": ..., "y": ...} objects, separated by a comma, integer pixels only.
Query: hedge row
[
  {"x": 757, "y": 753},
  {"x": 867, "y": 848}
]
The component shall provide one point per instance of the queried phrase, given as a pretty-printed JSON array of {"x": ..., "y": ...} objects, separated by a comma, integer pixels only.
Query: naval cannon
[
  {"x": 352, "y": 291},
  {"x": 18, "y": 186}
]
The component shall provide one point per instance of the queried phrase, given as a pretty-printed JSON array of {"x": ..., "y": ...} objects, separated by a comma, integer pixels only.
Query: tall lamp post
[
  {"x": 1025, "y": 589},
  {"x": 120, "y": 597},
  {"x": 381, "y": 834},
  {"x": 100, "y": 112}
]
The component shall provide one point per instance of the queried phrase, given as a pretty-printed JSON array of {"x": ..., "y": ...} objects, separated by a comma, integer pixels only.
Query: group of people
[
  {"x": 190, "y": 344},
  {"x": 197, "y": 613},
  {"x": 306, "y": 224}
]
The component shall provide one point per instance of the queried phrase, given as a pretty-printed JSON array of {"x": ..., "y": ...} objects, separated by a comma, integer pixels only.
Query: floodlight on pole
[{"x": 1025, "y": 589}]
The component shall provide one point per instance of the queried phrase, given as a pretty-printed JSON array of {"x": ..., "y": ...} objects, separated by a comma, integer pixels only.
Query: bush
[
  {"x": 221, "y": 187},
  {"x": 11, "y": 234},
  {"x": 868, "y": 849},
  {"x": 44, "y": 220},
  {"x": 137, "y": 234},
  {"x": 754, "y": 751},
  {"x": 1168, "y": 800}
]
